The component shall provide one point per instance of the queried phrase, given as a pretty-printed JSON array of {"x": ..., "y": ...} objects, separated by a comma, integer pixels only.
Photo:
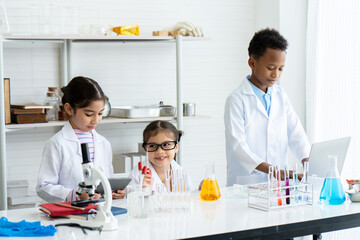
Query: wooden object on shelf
[
  {"x": 175, "y": 33},
  {"x": 62, "y": 115},
  {"x": 7, "y": 100},
  {"x": 31, "y": 106},
  {"x": 28, "y": 118},
  {"x": 161, "y": 33},
  {"x": 27, "y": 111}
]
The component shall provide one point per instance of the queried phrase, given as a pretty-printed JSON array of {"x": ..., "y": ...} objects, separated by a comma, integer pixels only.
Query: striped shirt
[
  {"x": 86, "y": 137},
  {"x": 83, "y": 137}
]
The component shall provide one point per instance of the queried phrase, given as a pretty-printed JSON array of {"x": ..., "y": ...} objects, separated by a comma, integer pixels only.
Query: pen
[{"x": 69, "y": 206}]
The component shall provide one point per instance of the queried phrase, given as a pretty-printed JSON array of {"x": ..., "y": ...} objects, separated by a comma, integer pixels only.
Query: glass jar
[{"x": 52, "y": 100}]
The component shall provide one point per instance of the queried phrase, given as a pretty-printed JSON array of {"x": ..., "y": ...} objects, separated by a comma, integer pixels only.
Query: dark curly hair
[{"x": 266, "y": 38}]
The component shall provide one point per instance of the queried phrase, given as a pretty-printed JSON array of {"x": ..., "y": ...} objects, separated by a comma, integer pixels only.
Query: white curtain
[
  {"x": 333, "y": 75},
  {"x": 333, "y": 81}
]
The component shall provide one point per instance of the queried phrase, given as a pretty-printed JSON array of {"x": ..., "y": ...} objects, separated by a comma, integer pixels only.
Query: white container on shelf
[
  {"x": 17, "y": 188},
  {"x": 135, "y": 112}
]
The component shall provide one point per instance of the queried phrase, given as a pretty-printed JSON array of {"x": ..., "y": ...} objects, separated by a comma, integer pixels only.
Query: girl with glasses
[{"x": 160, "y": 141}]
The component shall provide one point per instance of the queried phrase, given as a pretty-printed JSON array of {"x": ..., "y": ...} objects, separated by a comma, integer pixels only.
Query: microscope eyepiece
[{"x": 85, "y": 153}]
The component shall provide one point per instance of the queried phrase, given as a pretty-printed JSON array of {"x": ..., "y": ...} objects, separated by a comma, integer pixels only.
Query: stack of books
[{"x": 29, "y": 113}]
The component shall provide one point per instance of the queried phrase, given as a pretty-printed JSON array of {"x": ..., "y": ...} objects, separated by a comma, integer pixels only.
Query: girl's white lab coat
[
  {"x": 134, "y": 175},
  {"x": 61, "y": 164},
  {"x": 253, "y": 137}
]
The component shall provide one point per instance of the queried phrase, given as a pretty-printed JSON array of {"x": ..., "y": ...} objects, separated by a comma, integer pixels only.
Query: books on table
[{"x": 54, "y": 210}]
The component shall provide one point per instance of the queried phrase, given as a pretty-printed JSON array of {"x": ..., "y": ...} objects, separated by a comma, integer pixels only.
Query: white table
[{"x": 222, "y": 219}]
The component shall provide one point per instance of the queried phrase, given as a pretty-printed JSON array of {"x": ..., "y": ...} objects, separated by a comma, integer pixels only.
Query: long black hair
[{"x": 81, "y": 91}]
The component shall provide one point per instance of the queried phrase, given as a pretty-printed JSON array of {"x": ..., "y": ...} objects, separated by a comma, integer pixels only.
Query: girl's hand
[
  {"x": 97, "y": 196},
  {"x": 119, "y": 194},
  {"x": 85, "y": 196},
  {"x": 148, "y": 181}
]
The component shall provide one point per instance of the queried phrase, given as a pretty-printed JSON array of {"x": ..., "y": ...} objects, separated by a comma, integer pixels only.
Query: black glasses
[{"x": 152, "y": 147}]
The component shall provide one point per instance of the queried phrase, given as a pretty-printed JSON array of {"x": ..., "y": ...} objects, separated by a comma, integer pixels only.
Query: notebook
[{"x": 318, "y": 159}]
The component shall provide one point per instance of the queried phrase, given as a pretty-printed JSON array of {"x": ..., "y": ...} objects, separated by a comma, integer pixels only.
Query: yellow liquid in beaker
[{"x": 210, "y": 190}]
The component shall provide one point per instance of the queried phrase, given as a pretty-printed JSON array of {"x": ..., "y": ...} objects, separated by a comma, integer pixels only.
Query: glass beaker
[
  {"x": 137, "y": 198},
  {"x": 332, "y": 192},
  {"x": 210, "y": 189}
]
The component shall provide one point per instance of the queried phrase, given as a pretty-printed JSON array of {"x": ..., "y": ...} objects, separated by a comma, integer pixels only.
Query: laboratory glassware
[
  {"x": 52, "y": 100},
  {"x": 332, "y": 192},
  {"x": 210, "y": 189},
  {"x": 278, "y": 179},
  {"x": 287, "y": 184}
]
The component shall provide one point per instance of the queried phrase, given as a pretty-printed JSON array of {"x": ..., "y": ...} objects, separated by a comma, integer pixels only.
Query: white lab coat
[
  {"x": 61, "y": 164},
  {"x": 134, "y": 175},
  {"x": 253, "y": 137}
]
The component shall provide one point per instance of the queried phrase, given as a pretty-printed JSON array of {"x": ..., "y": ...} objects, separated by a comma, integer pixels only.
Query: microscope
[{"x": 92, "y": 178}]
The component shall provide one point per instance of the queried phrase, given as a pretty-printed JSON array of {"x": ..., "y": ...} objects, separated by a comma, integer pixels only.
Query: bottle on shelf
[{"x": 52, "y": 100}]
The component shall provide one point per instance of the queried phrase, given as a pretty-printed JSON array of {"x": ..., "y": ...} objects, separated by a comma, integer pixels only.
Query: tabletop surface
[{"x": 225, "y": 215}]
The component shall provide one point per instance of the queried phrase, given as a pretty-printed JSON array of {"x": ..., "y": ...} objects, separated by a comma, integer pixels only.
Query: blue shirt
[{"x": 265, "y": 98}]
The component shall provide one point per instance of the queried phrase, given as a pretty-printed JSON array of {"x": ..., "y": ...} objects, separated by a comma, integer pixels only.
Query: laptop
[{"x": 318, "y": 159}]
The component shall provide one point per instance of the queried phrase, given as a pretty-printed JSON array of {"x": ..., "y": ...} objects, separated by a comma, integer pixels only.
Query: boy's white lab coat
[
  {"x": 253, "y": 137},
  {"x": 61, "y": 164},
  {"x": 134, "y": 175}
]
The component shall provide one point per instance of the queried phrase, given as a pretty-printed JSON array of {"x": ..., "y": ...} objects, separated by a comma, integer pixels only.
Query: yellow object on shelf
[{"x": 127, "y": 30}]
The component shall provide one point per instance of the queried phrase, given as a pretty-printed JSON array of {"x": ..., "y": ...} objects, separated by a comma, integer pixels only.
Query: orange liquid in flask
[{"x": 210, "y": 190}]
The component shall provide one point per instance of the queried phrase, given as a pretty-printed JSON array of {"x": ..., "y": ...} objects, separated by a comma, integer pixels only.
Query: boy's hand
[{"x": 118, "y": 194}]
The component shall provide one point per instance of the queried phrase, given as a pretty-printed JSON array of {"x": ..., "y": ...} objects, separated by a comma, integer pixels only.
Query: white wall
[
  {"x": 289, "y": 17},
  {"x": 145, "y": 73},
  {"x": 137, "y": 73}
]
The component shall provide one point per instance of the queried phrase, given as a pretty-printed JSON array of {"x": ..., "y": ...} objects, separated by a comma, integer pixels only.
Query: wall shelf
[
  {"x": 66, "y": 52},
  {"x": 110, "y": 120}
]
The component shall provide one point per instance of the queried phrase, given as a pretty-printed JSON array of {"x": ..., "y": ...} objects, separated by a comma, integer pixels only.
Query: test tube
[
  {"x": 271, "y": 176},
  {"x": 305, "y": 180},
  {"x": 271, "y": 179},
  {"x": 167, "y": 179},
  {"x": 278, "y": 178},
  {"x": 287, "y": 184},
  {"x": 295, "y": 174},
  {"x": 140, "y": 167},
  {"x": 306, "y": 172}
]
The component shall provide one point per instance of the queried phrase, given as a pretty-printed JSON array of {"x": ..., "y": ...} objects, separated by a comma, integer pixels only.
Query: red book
[{"x": 54, "y": 210}]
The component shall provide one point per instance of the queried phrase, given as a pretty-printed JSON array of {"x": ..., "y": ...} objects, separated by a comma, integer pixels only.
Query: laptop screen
[{"x": 318, "y": 159}]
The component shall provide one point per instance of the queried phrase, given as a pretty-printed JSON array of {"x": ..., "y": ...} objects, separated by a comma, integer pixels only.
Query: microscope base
[{"x": 108, "y": 225}]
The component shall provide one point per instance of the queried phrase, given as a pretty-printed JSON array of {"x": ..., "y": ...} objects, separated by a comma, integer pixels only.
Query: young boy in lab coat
[{"x": 260, "y": 123}]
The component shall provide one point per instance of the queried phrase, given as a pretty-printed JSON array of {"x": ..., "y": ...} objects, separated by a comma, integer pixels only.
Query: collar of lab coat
[
  {"x": 247, "y": 89},
  {"x": 69, "y": 134},
  {"x": 156, "y": 177}
]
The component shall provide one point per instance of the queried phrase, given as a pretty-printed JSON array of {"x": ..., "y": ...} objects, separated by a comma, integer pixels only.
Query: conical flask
[
  {"x": 332, "y": 192},
  {"x": 210, "y": 188}
]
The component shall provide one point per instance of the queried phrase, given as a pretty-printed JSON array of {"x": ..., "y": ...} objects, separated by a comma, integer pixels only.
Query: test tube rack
[{"x": 264, "y": 196}]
